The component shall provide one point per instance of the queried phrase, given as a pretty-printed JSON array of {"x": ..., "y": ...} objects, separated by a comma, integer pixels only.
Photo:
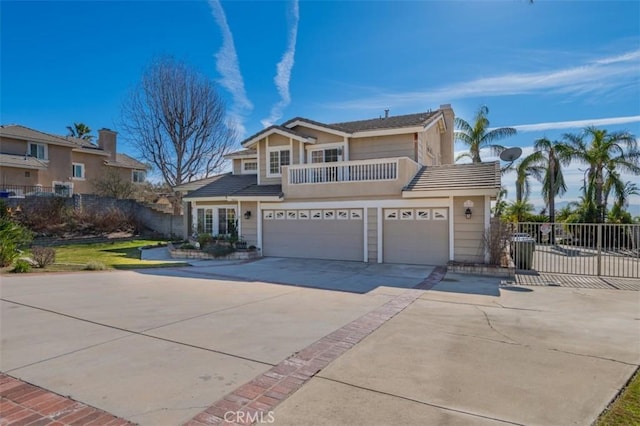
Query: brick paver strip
[
  {"x": 263, "y": 393},
  {"x": 25, "y": 404}
]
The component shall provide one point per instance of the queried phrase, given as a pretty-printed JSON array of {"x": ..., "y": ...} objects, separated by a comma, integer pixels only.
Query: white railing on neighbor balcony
[{"x": 344, "y": 171}]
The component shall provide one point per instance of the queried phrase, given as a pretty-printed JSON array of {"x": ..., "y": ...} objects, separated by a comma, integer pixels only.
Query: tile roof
[
  {"x": 242, "y": 153},
  {"x": 123, "y": 160},
  {"x": 236, "y": 185},
  {"x": 23, "y": 161},
  {"x": 22, "y": 132},
  {"x": 457, "y": 176},
  {"x": 391, "y": 122},
  {"x": 196, "y": 184}
]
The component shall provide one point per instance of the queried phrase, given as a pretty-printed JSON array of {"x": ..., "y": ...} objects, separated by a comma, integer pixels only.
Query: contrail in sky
[
  {"x": 229, "y": 68},
  {"x": 283, "y": 73}
]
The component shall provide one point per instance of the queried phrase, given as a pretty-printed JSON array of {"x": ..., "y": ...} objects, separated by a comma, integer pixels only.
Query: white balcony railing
[{"x": 344, "y": 171}]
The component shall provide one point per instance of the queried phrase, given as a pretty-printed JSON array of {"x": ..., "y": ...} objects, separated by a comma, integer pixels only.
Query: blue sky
[{"x": 547, "y": 68}]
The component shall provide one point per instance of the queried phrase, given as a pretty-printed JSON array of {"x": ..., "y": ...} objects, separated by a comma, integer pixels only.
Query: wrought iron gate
[{"x": 581, "y": 248}]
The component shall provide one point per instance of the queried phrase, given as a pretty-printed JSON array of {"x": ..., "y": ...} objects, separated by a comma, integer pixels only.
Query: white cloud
[
  {"x": 229, "y": 68},
  {"x": 594, "y": 77},
  {"x": 283, "y": 73},
  {"x": 576, "y": 124}
]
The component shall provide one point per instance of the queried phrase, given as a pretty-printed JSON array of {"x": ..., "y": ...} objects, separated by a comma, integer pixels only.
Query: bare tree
[
  {"x": 112, "y": 184},
  {"x": 176, "y": 119}
]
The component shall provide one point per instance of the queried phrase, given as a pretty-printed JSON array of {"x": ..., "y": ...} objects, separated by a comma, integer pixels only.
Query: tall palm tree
[
  {"x": 605, "y": 153},
  {"x": 80, "y": 131},
  {"x": 478, "y": 136},
  {"x": 551, "y": 154},
  {"x": 528, "y": 167}
]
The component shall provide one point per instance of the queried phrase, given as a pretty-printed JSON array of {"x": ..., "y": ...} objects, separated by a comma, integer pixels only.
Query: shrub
[
  {"x": 43, "y": 256},
  {"x": 219, "y": 250},
  {"x": 21, "y": 266},
  {"x": 205, "y": 239},
  {"x": 13, "y": 236},
  {"x": 95, "y": 266}
]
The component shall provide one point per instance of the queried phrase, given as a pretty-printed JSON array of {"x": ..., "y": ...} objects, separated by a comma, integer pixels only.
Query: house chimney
[
  {"x": 386, "y": 113},
  {"x": 107, "y": 142}
]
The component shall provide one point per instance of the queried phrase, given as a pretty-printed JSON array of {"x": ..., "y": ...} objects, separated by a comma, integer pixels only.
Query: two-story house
[
  {"x": 32, "y": 161},
  {"x": 377, "y": 190}
]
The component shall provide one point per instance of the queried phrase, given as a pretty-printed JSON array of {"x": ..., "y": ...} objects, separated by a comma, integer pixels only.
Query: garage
[
  {"x": 336, "y": 234},
  {"x": 416, "y": 235}
]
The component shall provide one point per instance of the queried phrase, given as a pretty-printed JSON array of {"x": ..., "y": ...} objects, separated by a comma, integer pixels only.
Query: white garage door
[
  {"x": 317, "y": 234},
  {"x": 416, "y": 236}
]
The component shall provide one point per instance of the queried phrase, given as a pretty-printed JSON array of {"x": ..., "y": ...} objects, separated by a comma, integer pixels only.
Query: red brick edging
[
  {"x": 25, "y": 404},
  {"x": 261, "y": 395}
]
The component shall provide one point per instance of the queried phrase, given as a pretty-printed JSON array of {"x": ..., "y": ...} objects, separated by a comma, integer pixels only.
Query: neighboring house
[
  {"x": 32, "y": 161},
  {"x": 378, "y": 190}
]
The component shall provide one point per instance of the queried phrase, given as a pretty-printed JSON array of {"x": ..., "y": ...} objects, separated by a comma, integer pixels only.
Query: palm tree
[
  {"x": 553, "y": 155},
  {"x": 605, "y": 154},
  {"x": 80, "y": 131},
  {"x": 477, "y": 137},
  {"x": 529, "y": 166},
  {"x": 518, "y": 211}
]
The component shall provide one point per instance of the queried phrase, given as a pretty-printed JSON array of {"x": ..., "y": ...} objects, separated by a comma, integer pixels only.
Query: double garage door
[
  {"x": 317, "y": 234},
  {"x": 416, "y": 236},
  {"x": 409, "y": 235}
]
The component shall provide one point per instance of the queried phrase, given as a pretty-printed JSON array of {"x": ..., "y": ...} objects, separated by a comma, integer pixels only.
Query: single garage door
[
  {"x": 416, "y": 236},
  {"x": 335, "y": 234}
]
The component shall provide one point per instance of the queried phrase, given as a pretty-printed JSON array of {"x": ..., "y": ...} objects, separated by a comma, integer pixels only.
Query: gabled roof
[
  {"x": 391, "y": 122},
  {"x": 454, "y": 177},
  {"x": 243, "y": 153},
  {"x": 230, "y": 185},
  {"x": 21, "y": 161},
  {"x": 288, "y": 123},
  {"x": 123, "y": 160},
  {"x": 275, "y": 129}
]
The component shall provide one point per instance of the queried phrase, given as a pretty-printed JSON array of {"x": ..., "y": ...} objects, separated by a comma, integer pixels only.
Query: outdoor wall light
[
  {"x": 247, "y": 214},
  {"x": 467, "y": 213}
]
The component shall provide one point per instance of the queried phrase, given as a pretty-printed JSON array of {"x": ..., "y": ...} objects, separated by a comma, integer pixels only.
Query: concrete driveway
[
  {"x": 160, "y": 346},
  {"x": 470, "y": 351}
]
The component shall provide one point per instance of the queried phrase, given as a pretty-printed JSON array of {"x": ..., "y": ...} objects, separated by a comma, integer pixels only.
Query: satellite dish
[{"x": 511, "y": 154}]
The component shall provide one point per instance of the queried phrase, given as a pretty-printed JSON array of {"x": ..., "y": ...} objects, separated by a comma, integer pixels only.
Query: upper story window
[
  {"x": 138, "y": 176},
  {"x": 250, "y": 166},
  {"x": 330, "y": 153},
  {"x": 38, "y": 150},
  {"x": 77, "y": 171},
  {"x": 277, "y": 159}
]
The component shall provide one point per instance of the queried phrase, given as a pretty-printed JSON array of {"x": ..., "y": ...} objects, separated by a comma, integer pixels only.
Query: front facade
[
  {"x": 33, "y": 161},
  {"x": 379, "y": 190}
]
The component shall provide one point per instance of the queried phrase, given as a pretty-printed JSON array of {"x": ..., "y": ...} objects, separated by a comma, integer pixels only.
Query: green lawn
[
  {"x": 116, "y": 255},
  {"x": 625, "y": 410}
]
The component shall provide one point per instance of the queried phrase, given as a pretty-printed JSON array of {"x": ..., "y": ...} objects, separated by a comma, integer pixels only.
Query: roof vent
[{"x": 386, "y": 113}]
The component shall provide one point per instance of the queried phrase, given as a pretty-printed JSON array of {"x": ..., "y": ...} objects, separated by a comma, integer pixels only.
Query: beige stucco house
[
  {"x": 32, "y": 161},
  {"x": 377, "y": 190}
]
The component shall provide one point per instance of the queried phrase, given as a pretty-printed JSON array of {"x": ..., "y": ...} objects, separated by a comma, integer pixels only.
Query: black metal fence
[{"x": 22, "y": 191}]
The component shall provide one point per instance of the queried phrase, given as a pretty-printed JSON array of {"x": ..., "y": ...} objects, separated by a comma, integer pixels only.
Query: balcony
[
  {"x": 344, "y": 171},
  {"x": 349, "y": 178}
]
